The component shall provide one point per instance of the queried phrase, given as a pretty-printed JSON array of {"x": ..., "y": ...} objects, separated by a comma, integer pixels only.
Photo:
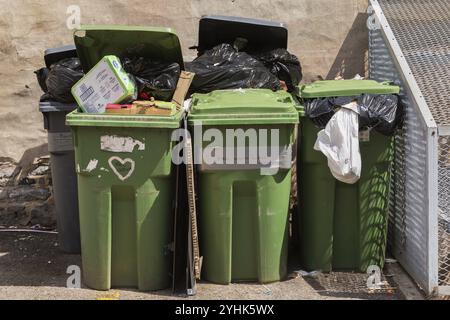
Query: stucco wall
[{"x": 329, "y": 37}]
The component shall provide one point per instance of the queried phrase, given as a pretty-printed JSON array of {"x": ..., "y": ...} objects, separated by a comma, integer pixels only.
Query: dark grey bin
[{"x": 62, "y": 159}]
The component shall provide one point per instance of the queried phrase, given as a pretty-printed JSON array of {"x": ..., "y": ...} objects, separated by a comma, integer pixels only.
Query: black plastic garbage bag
[
  {"x": 153, "y": 78},
  {"x": 61, "y": 77},
  {"x": 321, "y": 110},
  {"x": 41, "y": 76},
  {"x": 224, "y": 68},
  {"x": 380, "y": 112},
  {"x": 383, "y": 113},
  {"x": 284, "y": 65}
]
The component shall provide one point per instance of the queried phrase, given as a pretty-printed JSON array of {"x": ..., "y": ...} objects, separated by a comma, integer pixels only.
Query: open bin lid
[
  {"x": 57, "y": 54},
  {"x": 346, "y": 88},
  {"x": 94, "y": 42},
  {"x": 262, "y": 35},
  {"x": 243, "y": 107}
]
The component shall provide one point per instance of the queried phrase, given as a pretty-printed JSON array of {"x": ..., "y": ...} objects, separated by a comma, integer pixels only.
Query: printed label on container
[
  {"x": 98, "y": 88},
  {"x": 60, "y": 141},
  {"x": 364, "y": 135}
]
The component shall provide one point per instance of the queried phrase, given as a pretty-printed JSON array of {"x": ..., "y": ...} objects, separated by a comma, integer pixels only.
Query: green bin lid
[
  {"x": 93, "y": 42},
  {"x": 346, "y": 88},
  {"x": 243, "y": 106},
  {"x": 77, "y": 118}
]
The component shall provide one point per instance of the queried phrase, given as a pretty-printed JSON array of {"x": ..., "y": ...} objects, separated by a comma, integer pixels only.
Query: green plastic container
[
  {"x": 343, "y": 226},
  {"x": 243, "y": 211},
  {"x": 125, "y": 177}
]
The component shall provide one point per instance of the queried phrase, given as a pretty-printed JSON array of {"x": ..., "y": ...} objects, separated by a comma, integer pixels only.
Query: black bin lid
[
  {"x": 57, "y": 54},
  {"x": 54, "y": 106},
  {"x": 262, "y": 35}
]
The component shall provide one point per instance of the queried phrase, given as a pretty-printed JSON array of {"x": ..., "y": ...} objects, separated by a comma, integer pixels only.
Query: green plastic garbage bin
[
  {"x": 125, "y": 177},
  {"x": 244, "y": 199},
  {"x": 343, "y": 226}
]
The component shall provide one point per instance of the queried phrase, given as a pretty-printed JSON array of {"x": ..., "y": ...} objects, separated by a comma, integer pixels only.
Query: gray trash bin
[
  {"x": 64, "y": 177},
  {"x": 62, "y": 158}
]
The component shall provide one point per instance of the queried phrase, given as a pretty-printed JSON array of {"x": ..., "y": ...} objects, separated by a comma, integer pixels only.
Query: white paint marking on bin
[
  {"x": 120, "y": 144},
  {"x": 122, "y": 162},
  {"x": 92, "y": 165}
]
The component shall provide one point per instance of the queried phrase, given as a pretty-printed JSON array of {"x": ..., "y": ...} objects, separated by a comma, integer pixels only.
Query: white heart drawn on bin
[{"x": 122, "y": 162}]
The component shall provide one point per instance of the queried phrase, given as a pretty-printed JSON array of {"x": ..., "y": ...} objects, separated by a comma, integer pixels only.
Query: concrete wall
[{"x": 329, "y": 37}]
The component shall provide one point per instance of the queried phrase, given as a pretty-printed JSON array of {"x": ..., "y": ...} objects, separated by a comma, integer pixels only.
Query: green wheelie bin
[
  {"x": 343, "y": 226},
  {"x": 243, "y": 198},
  {"x": 125, "y": 174}
]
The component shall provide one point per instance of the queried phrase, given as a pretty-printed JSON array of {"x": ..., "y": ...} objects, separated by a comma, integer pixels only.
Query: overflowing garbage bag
[
  {"x": 225, "y": 68},
  {"x": 321, "y": 110},
  {"x": 153, "y": 78},
  {"x": 58, "y": 80},
  {"x": 341, "y": 120},
  {"x": 41, "y": 76},
  {"x": 383, "y": 113},
  {"x": 284, "y": 65}
]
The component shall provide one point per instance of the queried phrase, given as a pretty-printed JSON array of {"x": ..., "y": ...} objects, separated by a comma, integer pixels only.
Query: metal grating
[
  {"x": 416, "y": 36},
  {"x": 408, "y": 225},
  {"x": 353, "y": 285},
  {"x": 444, "y": 211},
  {"x": 422, "y": 29}
]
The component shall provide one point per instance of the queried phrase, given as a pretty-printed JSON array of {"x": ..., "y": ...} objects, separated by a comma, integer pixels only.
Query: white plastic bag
[{"x": 339, "y": 142}]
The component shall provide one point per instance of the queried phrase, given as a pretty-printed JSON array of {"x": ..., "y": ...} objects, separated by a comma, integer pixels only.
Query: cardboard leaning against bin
[{"x": 125, "y": 171}]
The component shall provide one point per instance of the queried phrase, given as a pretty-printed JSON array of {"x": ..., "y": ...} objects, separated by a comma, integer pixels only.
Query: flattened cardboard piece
[
  {"x": 154, "y": 111},
  {"x": 190, "y": 181},
  {"x": 183, "y": 256},
  {"x": 159, "y": 108},
  {"x": 183, "y": 85},
  {"x": 155, "y": 108}
]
